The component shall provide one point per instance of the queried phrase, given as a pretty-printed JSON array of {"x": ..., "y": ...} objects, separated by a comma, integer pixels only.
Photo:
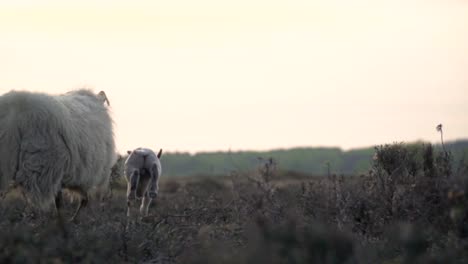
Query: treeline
[{"x": 312, "y": 161}]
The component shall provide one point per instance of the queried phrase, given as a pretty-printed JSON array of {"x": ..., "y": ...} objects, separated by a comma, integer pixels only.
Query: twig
[{"x": 185, "y": 215}]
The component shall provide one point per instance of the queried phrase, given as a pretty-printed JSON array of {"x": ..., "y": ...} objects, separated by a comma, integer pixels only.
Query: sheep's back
[
  {"x": 92, "y": 136},
  {"x": 33, "y": 149}
]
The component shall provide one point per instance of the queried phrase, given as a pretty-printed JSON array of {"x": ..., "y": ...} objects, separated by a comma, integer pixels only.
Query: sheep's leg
[
  {"x": 83, "y": 203},
  {"x": 154, "y": 186},
  {"x": 58, "y": 203},
  {"x": 58, "y": 209},
  {"x": 128, "y": 208}
]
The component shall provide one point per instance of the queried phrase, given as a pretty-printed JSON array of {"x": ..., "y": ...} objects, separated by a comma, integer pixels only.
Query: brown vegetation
[{"x": 410, "y": 208}]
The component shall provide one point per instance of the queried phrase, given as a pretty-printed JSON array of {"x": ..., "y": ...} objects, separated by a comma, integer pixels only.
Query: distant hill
[{"x": 302, "y": 160}]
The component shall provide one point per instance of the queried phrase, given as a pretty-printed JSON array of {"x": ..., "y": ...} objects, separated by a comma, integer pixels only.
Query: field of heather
[{"x": 405, "y": 210}]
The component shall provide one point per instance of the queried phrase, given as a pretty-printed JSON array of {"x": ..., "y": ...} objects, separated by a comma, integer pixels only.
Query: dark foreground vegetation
[{"x": 411, "y": 207}]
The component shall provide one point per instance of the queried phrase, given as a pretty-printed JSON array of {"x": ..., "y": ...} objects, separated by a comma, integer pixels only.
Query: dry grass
[{"x": 258, "y": 217}]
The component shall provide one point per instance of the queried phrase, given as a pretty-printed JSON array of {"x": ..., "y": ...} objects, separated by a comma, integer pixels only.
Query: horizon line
[{"x": 229, "y": 150}]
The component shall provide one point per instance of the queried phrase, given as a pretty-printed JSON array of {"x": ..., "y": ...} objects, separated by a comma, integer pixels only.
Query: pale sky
[{"x": 206, "y": 75}]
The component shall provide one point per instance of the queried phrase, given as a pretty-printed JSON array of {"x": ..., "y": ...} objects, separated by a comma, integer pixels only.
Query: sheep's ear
[
  {"x": 102, "y": 95},
  {"x": 160, "y": 153},
  {"x": 129, "y": 152}
]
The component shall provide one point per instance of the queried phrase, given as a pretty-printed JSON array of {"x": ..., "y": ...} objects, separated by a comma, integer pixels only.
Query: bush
[{"x": 410, "y": 208}]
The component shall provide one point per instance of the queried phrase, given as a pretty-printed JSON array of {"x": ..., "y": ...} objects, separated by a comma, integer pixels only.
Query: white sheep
[
  {"x": 48, "y": 143},
  {"x": 142, "y": 172}
]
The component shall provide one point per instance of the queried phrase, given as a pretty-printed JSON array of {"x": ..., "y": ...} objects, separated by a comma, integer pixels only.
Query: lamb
[
  {"x": 49, "y": 143},
  {"x": 142, "y": 172}
]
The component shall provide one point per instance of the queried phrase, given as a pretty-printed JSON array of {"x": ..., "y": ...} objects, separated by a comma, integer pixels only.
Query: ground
[{"x": 240, "y": 218}]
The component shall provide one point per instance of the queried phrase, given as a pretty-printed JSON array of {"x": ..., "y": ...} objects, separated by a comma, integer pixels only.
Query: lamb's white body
[
  {"x": 142, "y": 172},
  {"x": 52, "y": 142}
]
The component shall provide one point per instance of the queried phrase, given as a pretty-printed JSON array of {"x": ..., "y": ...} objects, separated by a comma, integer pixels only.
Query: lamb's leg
[
  {"x": 132, "y": 187},
  {"x": 142, "y": 192},
  {"x": 154, "y": 186},
  {"x": 143, "y": 184},
  {"x": 83, "y": 203},
  {"x": 145, "y": 205},
  {"x": 134, "y": 180}
]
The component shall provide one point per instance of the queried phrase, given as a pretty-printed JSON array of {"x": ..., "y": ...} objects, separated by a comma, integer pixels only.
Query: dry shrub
[
  {"x": 254, "y": 217},
  {"x": 170, "y": 186}
]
